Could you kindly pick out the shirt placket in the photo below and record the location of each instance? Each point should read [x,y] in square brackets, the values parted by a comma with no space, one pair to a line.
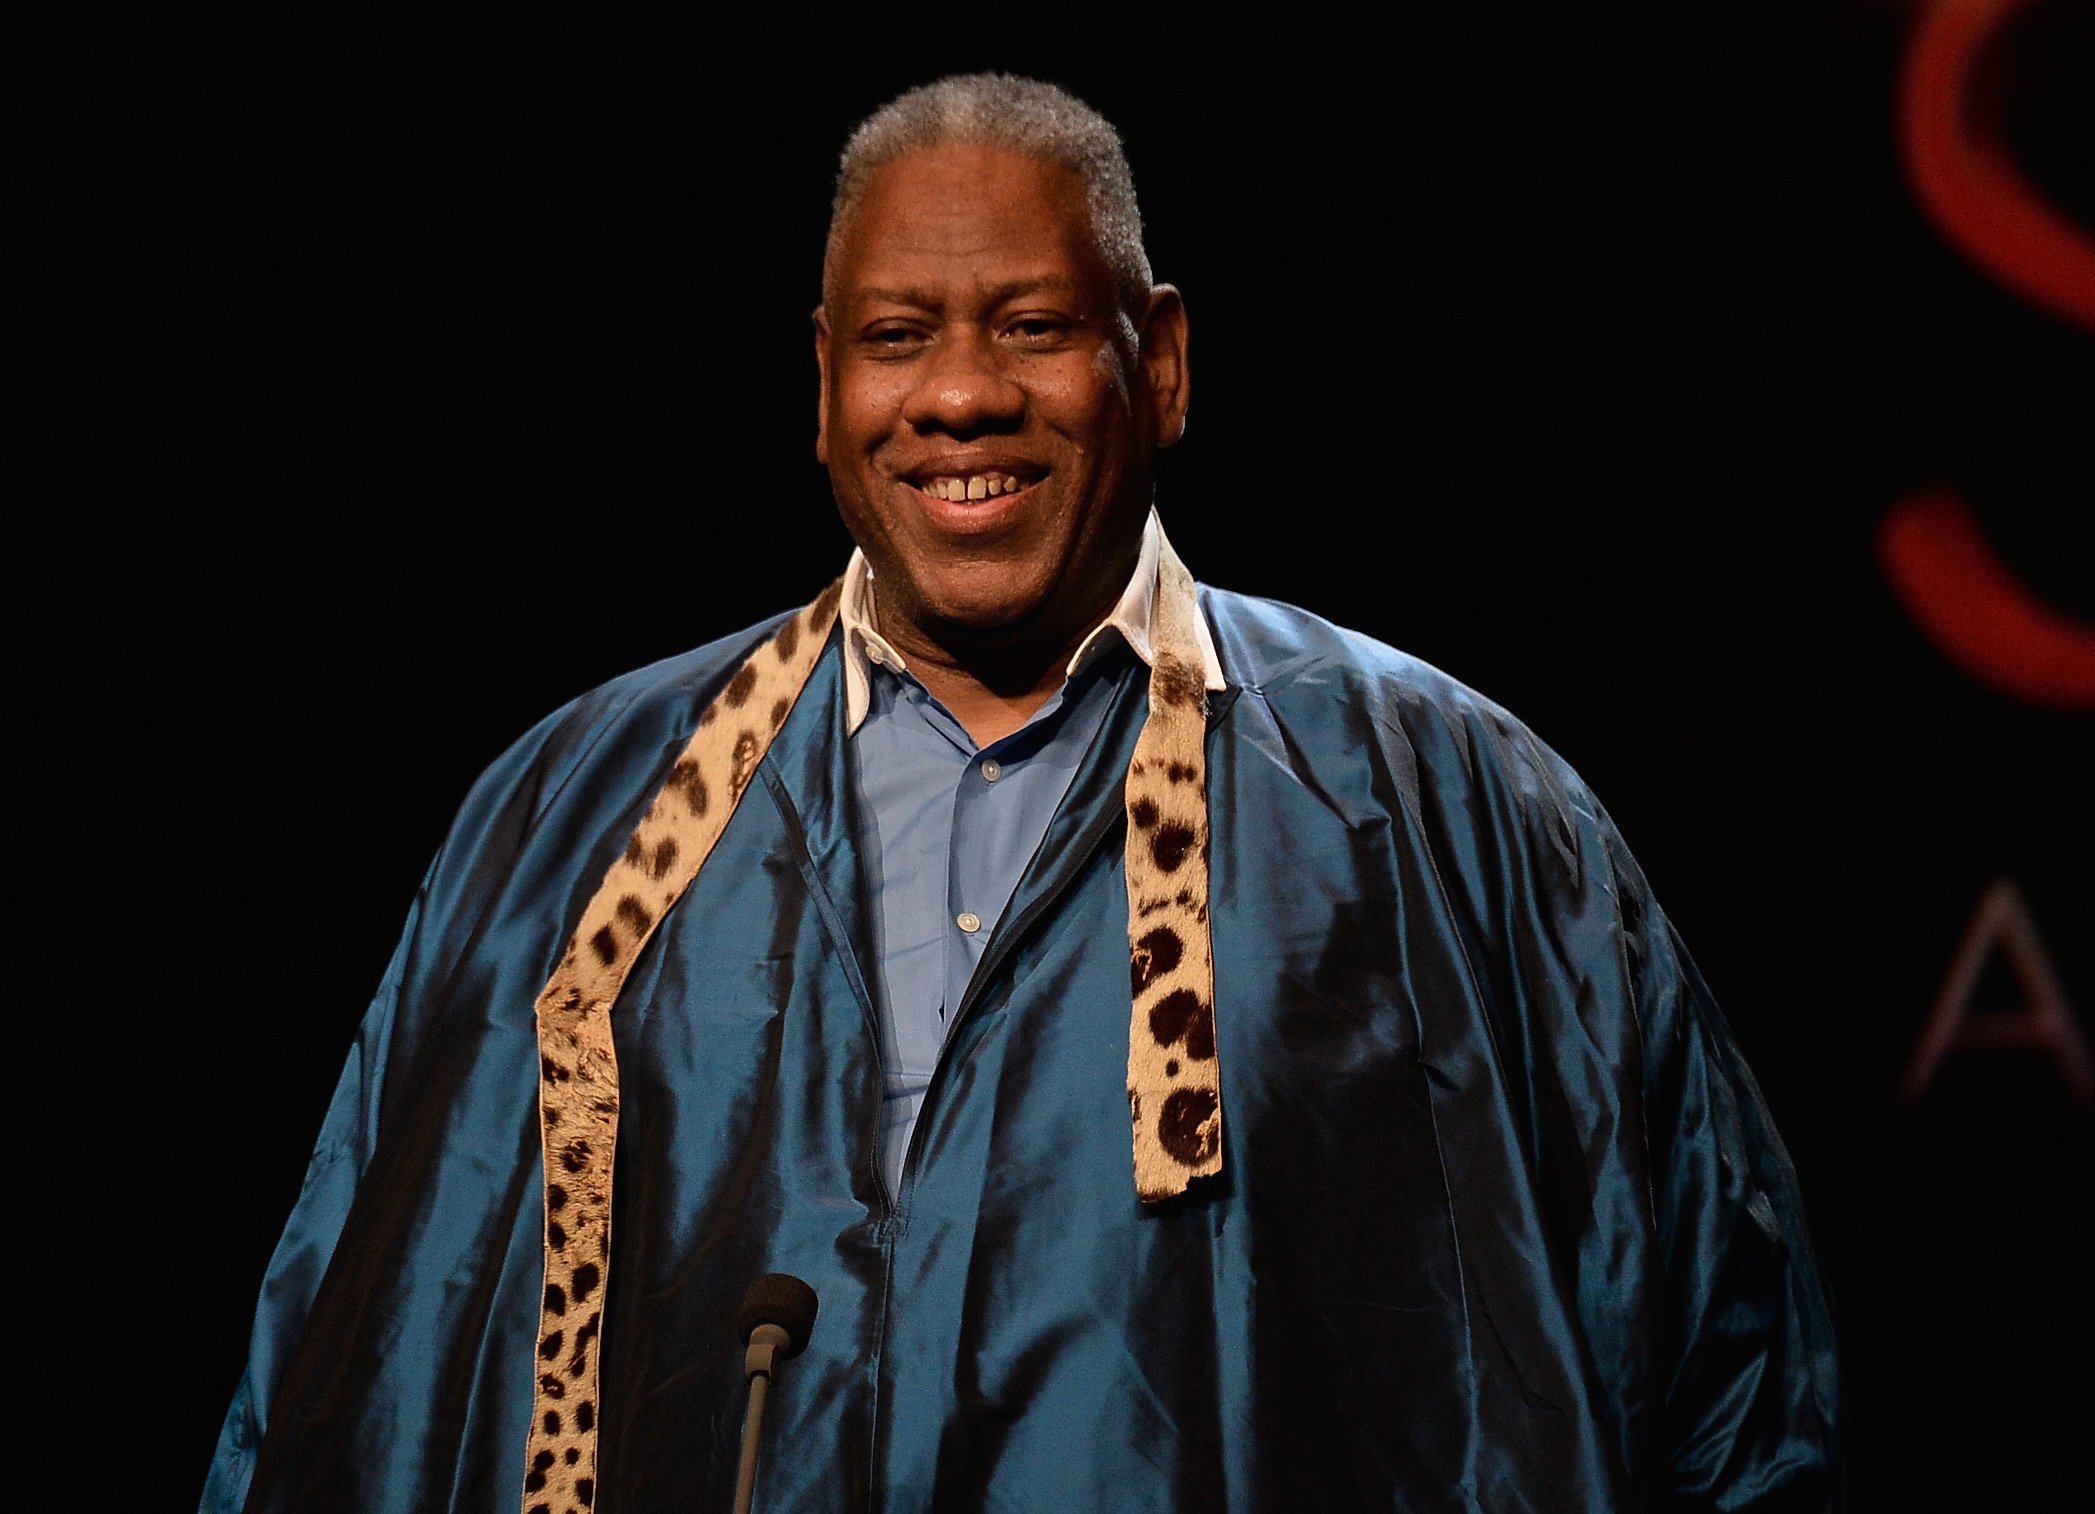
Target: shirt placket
[970,914]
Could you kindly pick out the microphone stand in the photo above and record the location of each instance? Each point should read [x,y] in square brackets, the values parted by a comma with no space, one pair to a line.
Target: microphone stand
[759,1362]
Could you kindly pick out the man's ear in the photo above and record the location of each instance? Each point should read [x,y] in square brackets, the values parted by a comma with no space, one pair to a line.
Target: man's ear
[822,390]
[1164,362]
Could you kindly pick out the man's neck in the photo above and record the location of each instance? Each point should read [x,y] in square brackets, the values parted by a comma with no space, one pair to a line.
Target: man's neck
[990,690]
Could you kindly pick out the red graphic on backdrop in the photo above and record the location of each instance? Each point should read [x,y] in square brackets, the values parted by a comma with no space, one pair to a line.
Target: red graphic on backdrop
[1950,581]
[1961,594]
[1962,173]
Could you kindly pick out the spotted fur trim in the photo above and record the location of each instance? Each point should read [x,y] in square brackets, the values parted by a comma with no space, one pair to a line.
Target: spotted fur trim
[1174,1078]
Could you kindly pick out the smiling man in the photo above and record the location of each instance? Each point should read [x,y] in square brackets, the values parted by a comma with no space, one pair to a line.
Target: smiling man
[1202,1059]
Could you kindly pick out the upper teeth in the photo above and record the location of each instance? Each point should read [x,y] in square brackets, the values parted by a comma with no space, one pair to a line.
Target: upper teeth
[974,486]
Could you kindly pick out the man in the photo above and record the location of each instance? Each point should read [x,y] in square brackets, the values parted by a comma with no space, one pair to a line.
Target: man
[1202,1059]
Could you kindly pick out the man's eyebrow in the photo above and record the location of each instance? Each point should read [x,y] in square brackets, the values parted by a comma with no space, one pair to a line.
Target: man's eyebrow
[1018,289]
[916,298]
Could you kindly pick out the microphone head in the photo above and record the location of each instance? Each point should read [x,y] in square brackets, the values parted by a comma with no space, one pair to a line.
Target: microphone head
[779,1298]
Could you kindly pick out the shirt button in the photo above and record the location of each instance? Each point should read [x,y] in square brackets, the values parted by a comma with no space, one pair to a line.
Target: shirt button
[992,770]
[968,921]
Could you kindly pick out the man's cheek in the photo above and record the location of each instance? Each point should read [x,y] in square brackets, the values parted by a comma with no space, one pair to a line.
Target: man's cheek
[871,409]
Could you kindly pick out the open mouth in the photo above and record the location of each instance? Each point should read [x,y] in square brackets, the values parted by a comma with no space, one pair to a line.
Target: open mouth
[990,483]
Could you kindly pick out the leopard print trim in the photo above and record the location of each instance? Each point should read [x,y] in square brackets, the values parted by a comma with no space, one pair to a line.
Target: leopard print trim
[578,1066]
[1174,1079]
[1173,1074]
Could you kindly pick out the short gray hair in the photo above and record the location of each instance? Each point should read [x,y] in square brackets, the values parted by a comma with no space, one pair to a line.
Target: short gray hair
[1025,116]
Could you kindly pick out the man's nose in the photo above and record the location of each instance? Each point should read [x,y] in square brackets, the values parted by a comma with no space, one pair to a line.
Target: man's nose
[965,385]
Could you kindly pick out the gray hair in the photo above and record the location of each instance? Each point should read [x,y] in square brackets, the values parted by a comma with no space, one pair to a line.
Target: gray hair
[1024,116]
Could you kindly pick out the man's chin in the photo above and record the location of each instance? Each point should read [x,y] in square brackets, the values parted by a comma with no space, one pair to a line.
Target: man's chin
[989,621]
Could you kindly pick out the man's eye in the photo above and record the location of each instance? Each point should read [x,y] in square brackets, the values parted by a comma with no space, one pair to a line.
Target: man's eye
[891,337]
[1038,328]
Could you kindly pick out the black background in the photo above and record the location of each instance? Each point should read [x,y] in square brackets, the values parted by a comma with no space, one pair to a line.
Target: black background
[435,377]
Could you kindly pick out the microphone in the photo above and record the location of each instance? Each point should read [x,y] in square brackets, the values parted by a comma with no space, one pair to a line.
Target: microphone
[778,1315]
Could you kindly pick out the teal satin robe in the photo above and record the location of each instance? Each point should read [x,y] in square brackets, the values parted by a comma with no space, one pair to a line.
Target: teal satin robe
[1503,1223]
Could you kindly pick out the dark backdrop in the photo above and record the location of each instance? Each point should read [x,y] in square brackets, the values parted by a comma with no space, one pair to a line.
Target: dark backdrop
[448,375]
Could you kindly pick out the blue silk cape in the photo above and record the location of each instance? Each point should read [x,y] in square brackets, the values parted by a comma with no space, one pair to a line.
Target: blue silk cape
[1503,1224]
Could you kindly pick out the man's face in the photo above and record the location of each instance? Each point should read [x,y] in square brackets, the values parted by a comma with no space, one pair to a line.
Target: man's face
[990,413]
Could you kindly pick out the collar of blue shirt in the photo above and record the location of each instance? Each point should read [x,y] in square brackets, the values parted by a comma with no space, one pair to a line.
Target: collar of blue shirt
[1133,618]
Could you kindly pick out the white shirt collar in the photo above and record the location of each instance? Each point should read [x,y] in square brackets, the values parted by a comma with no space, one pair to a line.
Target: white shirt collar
[1132,617]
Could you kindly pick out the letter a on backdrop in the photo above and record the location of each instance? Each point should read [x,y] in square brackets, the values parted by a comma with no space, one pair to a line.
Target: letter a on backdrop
[2044,1022]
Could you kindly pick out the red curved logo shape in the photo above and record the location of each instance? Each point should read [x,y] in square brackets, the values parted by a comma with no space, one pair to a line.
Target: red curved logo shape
[1975,611]
[1962,173]
[1950,580]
